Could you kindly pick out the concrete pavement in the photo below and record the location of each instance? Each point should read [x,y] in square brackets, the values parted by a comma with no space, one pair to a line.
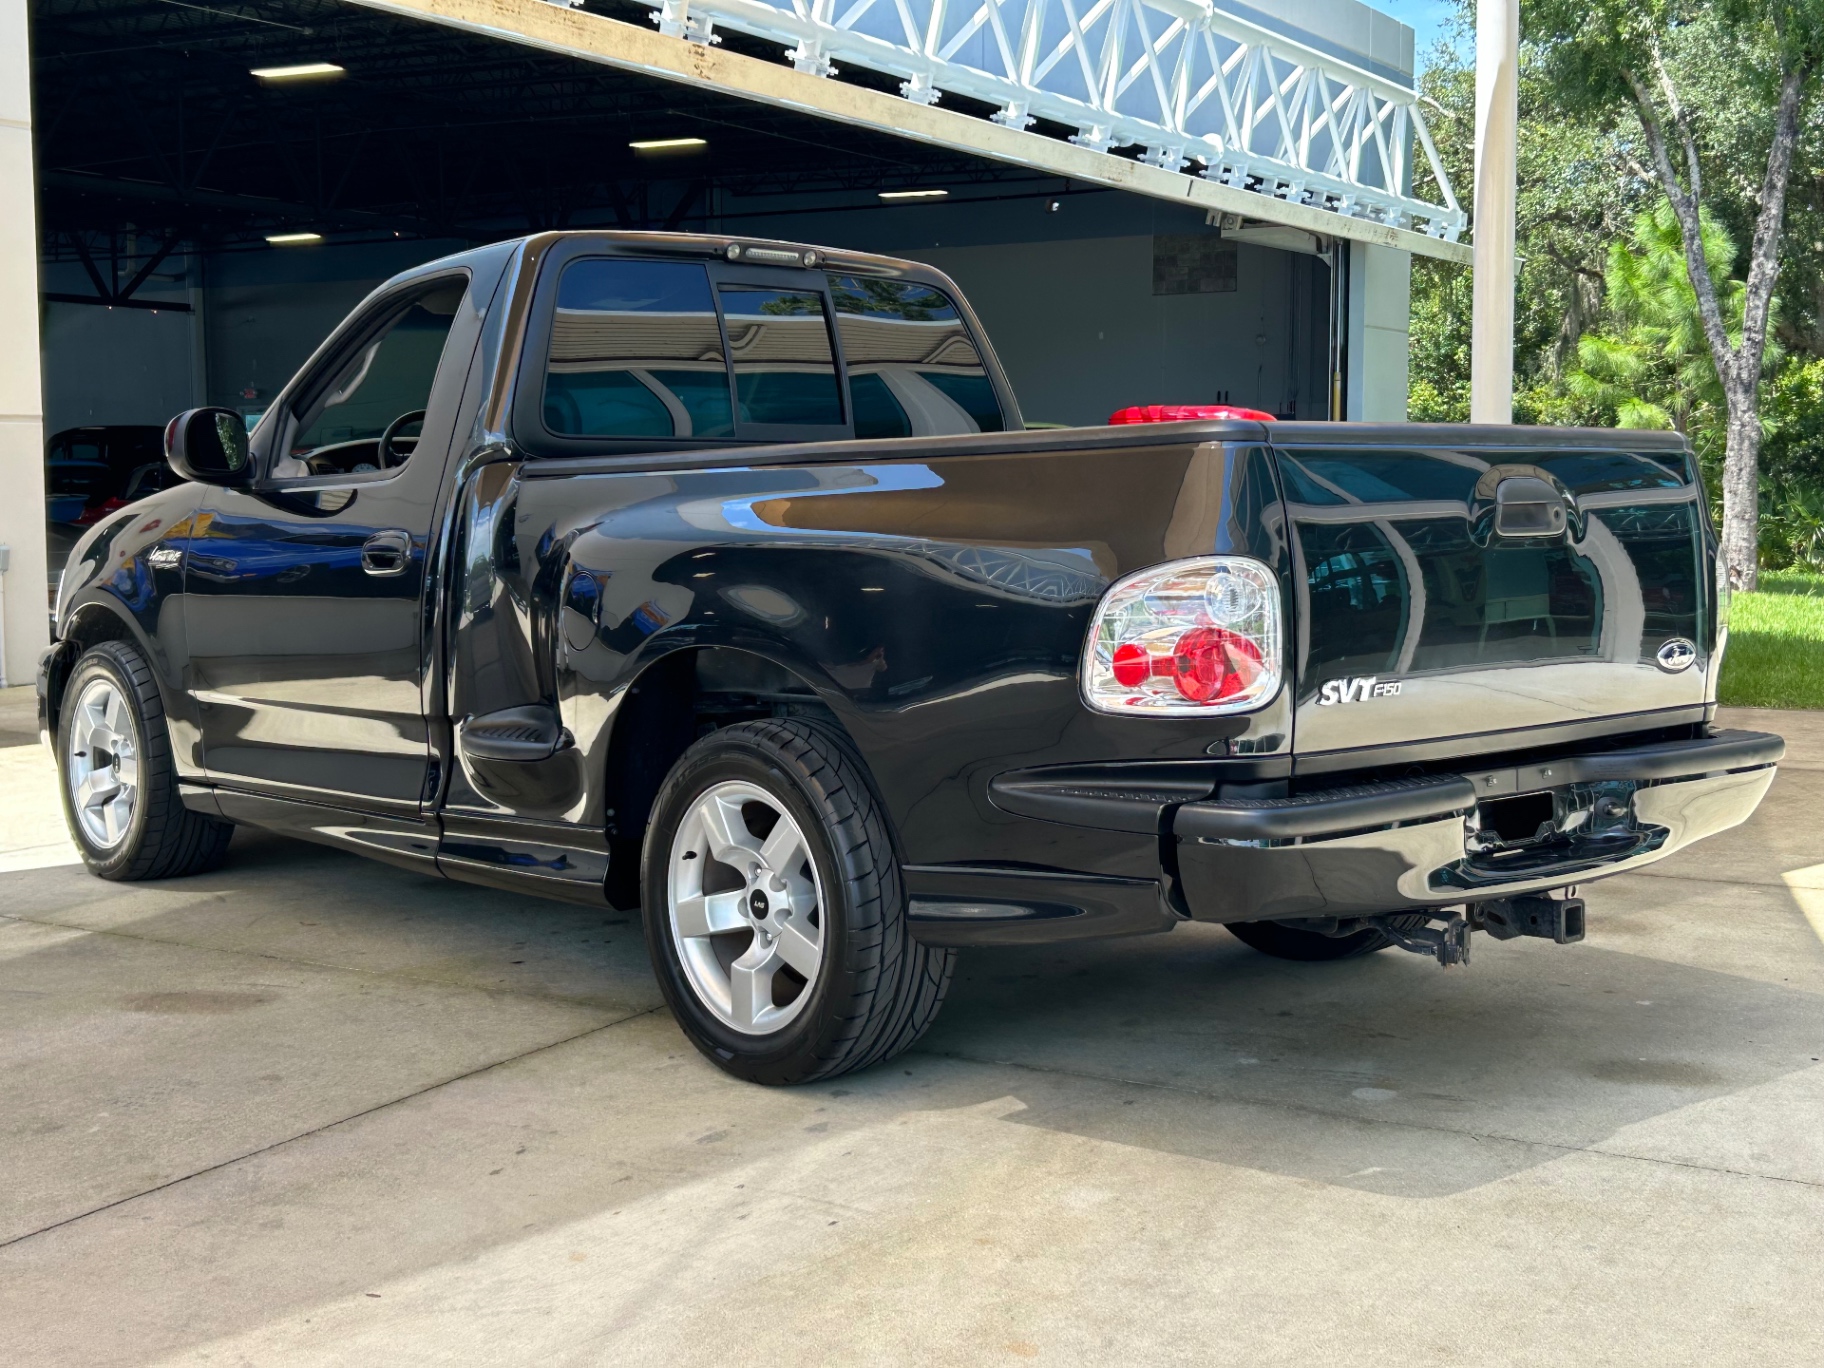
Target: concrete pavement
[311,1109]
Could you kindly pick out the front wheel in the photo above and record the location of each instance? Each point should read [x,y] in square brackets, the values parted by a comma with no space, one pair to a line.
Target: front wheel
[119,779]
[774,910]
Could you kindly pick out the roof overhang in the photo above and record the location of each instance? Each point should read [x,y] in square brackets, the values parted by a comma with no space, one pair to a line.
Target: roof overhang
[590,37]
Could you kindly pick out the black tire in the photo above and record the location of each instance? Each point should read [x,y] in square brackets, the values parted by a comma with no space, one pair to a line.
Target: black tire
[1309,947]
[876,989]
[163,839]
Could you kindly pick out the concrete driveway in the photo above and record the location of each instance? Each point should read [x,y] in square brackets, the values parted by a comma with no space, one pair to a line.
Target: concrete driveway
[311,1109]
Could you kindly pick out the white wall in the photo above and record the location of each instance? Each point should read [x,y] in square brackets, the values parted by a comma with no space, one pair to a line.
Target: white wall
[1380,312]
[21,411]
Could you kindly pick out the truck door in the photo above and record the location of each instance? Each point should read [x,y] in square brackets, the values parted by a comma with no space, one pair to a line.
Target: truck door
[305,592]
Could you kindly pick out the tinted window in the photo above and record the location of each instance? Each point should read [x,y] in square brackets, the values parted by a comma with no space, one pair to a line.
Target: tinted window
[132,449]
[877,412]
[384,385]
[913,369]
[785,371]
[636,352]
[87,478]
[149,479]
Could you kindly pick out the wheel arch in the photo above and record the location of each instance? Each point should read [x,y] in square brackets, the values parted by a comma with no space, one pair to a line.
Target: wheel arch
[93,619]
[682,695]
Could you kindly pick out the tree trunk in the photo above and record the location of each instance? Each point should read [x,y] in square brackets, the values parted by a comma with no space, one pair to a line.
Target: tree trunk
[1738,367]
[1742,482]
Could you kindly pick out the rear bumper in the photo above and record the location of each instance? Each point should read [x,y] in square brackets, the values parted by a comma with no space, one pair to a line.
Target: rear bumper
[1363,849]
[1418,844]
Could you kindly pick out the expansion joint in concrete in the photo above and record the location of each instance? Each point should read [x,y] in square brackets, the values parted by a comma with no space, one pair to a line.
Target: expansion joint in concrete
[325,1127]
[329,965]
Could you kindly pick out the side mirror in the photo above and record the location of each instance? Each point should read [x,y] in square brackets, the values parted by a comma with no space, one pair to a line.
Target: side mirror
[209,445]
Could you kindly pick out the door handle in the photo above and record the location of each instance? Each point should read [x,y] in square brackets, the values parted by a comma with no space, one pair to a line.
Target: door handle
[387,553]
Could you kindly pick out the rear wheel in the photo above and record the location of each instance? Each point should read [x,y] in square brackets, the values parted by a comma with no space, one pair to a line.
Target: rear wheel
[1294,943]
[119,780]
[774,911]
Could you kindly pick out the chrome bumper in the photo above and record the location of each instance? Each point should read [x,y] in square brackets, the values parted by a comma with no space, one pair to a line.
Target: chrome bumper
[1417,844]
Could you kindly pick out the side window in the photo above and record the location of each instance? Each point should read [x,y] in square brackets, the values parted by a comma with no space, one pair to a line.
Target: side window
[636,352]
[785,369]
[913,370]
[367,412]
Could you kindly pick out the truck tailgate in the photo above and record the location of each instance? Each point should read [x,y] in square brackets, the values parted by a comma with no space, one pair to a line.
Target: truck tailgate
[1421,616]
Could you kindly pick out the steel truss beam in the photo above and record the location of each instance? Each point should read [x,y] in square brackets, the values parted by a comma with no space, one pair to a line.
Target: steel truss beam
[1178,78]
[1344,132]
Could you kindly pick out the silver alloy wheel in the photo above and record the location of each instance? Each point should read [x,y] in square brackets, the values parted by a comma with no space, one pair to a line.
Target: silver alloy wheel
[746,908]
[101,762]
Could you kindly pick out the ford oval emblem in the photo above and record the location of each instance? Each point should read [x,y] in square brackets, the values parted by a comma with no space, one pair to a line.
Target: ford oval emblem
[1677,654]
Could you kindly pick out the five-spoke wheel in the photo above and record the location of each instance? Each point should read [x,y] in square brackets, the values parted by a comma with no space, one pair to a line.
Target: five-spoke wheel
[119,776]
[746,907]
[774,909]
[101,747]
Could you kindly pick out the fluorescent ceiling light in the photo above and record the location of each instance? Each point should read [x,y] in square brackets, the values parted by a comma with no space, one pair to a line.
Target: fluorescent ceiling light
[300,72]
[288,239]
[913,194]
[666,144]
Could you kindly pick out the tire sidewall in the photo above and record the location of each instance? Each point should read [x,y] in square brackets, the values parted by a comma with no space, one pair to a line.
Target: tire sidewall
[794,1050]
[105,862]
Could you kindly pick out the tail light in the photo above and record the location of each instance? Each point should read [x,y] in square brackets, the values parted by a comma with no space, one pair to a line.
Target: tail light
[1186,639]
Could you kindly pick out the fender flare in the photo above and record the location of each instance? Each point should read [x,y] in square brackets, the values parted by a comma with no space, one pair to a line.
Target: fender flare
[608,757]
[91,603]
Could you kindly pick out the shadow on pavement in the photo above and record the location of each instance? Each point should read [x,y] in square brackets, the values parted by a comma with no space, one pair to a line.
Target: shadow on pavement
[1387,1073]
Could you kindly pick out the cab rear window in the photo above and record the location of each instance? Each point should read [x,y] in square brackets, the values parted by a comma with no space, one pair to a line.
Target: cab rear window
[636,351]
[678,350]
[785,369]
[914,371]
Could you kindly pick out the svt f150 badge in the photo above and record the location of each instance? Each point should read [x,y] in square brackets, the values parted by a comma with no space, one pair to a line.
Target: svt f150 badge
[1356,690]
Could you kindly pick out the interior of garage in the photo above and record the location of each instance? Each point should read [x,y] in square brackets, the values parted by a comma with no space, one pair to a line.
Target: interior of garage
[207,212]
[166,166]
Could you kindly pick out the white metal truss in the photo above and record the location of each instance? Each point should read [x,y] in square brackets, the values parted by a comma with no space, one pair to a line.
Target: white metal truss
[1180,79]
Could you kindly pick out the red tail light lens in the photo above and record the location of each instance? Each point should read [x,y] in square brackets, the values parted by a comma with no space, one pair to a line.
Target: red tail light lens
[1181,413]
[1189,638]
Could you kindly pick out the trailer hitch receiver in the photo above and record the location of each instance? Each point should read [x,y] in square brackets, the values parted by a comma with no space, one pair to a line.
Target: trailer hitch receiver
[1553,919]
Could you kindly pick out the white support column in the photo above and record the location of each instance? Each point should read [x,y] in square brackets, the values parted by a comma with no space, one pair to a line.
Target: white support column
[1380,315]
[22,511]
[1491,354]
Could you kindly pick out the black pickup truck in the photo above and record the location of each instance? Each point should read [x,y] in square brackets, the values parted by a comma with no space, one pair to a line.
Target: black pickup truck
[720,578]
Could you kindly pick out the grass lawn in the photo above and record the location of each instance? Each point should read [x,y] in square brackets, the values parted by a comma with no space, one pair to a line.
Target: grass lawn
[1776,644]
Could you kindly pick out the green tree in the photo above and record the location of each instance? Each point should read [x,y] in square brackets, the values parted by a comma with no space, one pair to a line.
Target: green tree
[1578,193]
[1603,56]
[1652,368]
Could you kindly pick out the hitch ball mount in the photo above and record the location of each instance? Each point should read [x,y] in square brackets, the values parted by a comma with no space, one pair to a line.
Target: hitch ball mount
[1555,919]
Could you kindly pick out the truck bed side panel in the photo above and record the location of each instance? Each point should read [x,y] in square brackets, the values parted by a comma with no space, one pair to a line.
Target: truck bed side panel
[938,607]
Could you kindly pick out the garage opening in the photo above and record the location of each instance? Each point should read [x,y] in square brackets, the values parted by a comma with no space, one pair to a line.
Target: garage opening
[220,185]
